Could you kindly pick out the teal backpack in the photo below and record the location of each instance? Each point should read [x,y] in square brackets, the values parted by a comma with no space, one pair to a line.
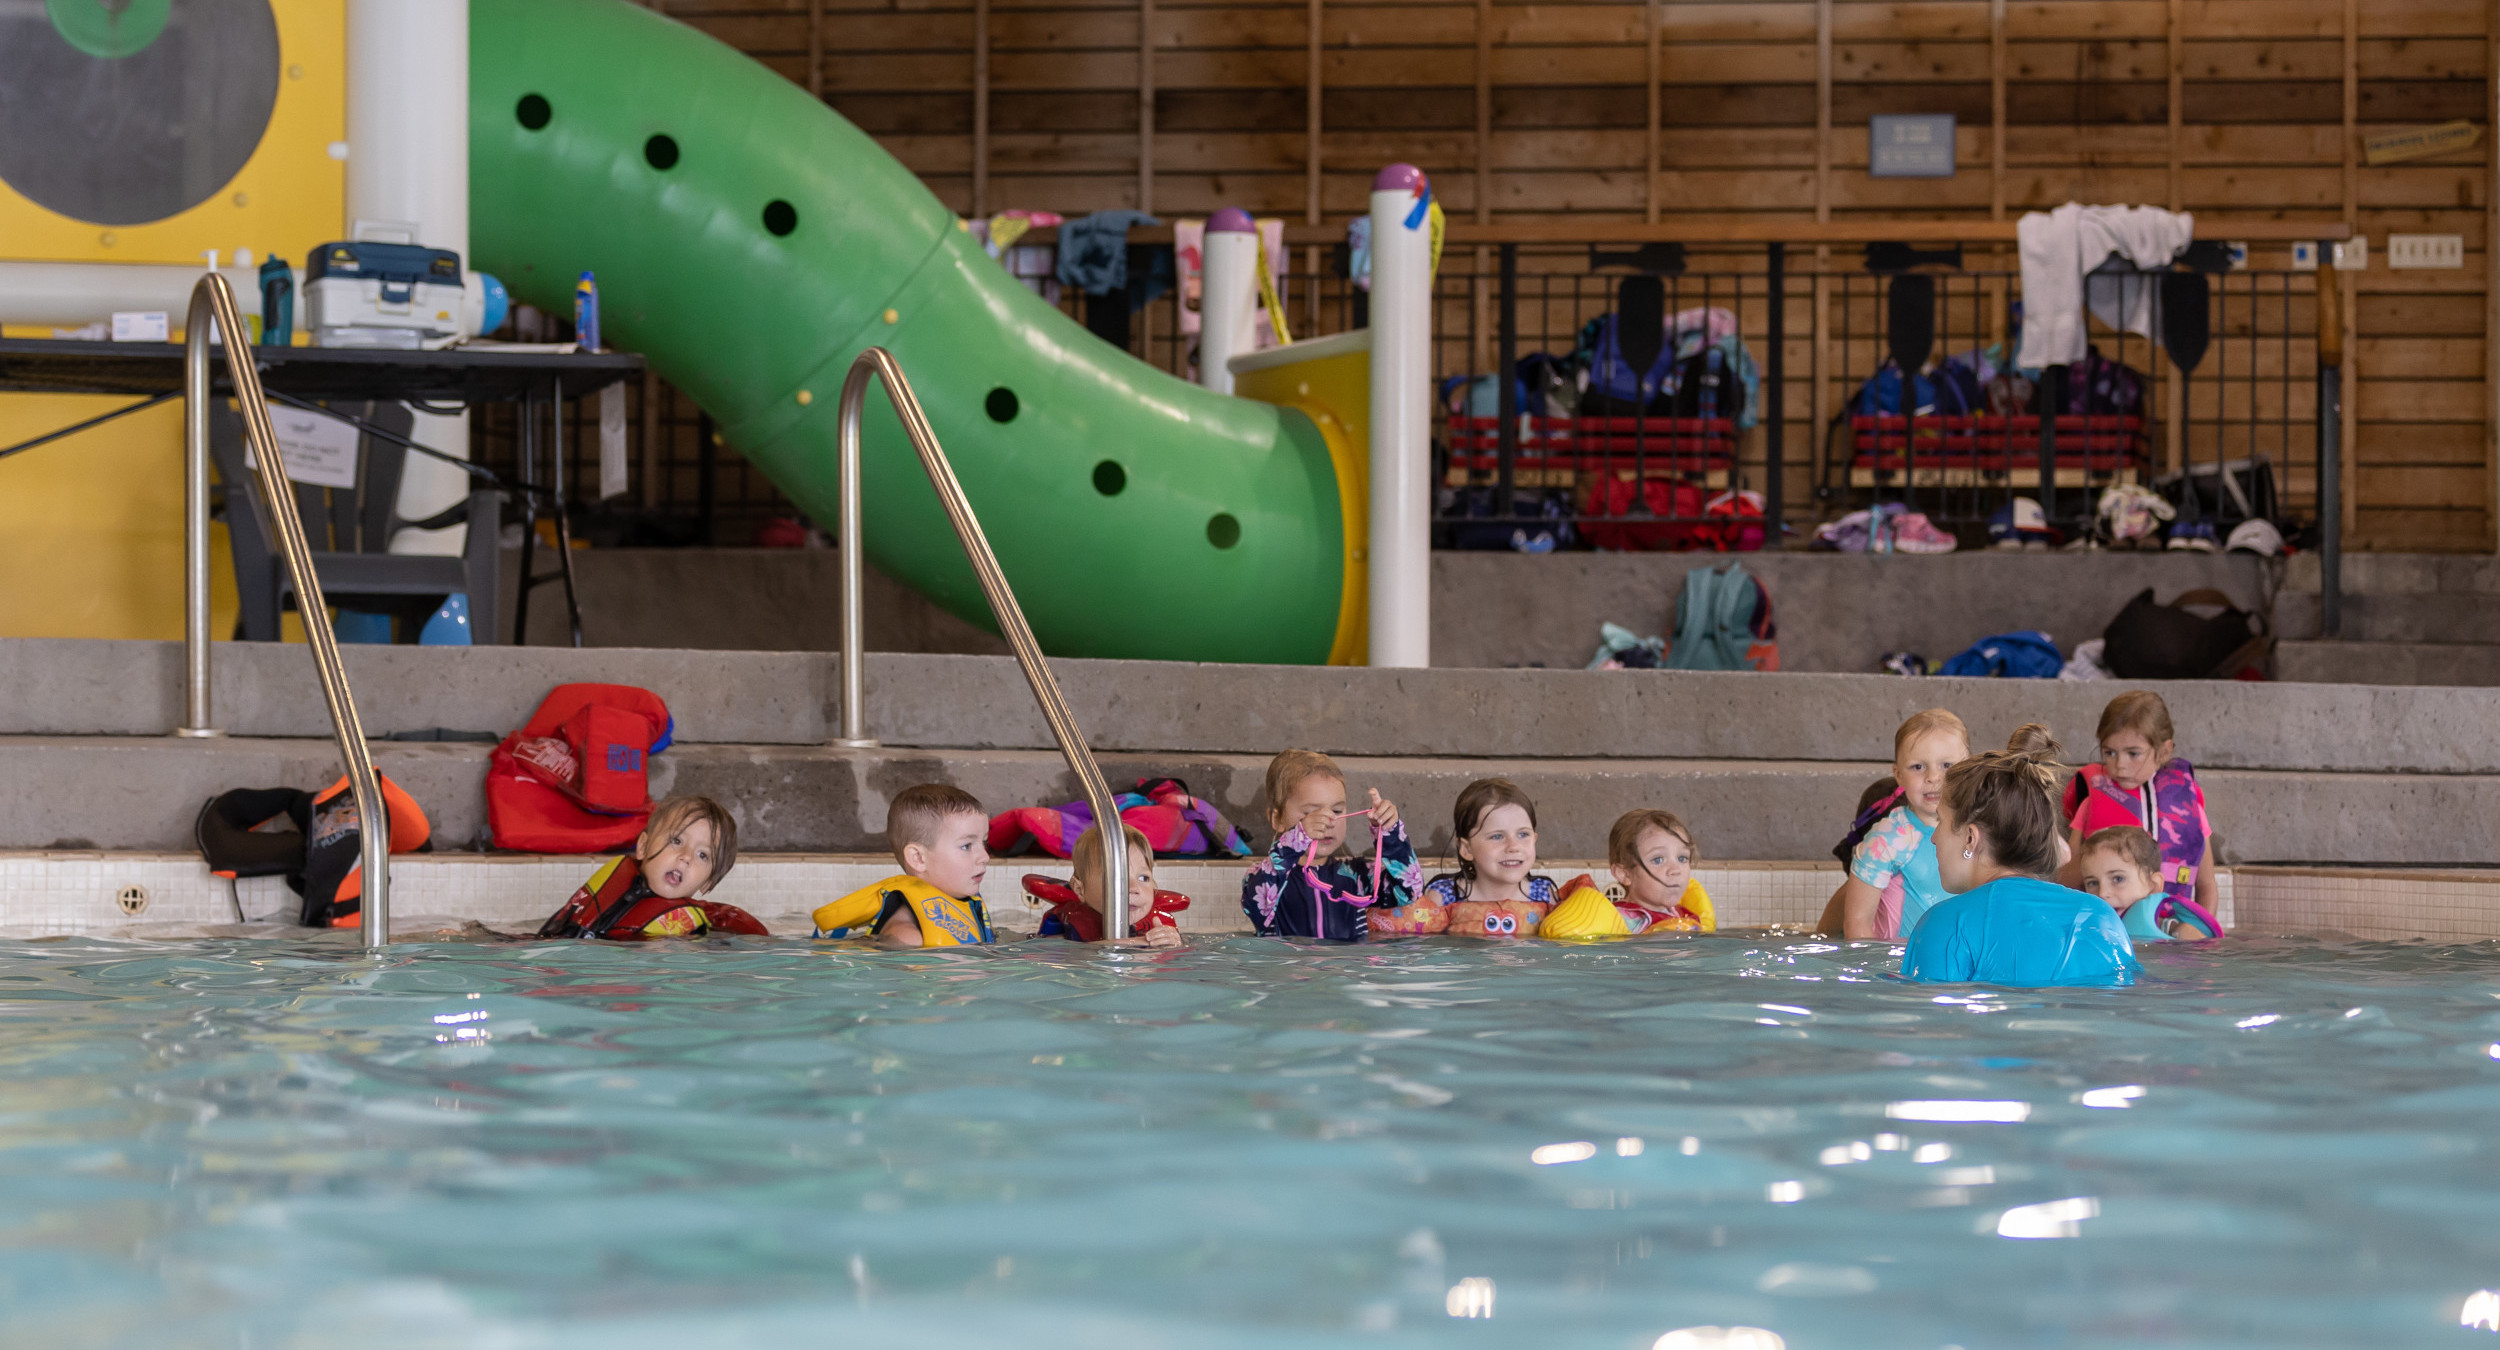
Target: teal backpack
[1722,622]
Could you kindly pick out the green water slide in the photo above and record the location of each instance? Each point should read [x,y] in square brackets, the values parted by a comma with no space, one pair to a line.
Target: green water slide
[749,241]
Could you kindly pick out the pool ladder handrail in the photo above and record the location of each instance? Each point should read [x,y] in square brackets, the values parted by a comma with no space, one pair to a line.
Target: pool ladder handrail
[877,362]
[213,299]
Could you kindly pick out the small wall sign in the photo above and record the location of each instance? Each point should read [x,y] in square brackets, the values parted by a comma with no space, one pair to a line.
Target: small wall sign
[1910,145]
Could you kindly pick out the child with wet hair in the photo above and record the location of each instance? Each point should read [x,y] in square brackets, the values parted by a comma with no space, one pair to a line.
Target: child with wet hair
[939,834]
[1494,892]
[1080,916]
[2006,922]
[1892,866]
[1304,888]
[658,889]
[2122,865]
[1651,855]
[2141,781]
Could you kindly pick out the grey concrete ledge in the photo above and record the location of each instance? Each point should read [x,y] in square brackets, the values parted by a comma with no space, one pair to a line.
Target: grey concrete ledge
[131,793]
[81,687]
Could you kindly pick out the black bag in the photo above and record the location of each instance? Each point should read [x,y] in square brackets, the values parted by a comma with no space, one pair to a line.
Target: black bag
[2148,641]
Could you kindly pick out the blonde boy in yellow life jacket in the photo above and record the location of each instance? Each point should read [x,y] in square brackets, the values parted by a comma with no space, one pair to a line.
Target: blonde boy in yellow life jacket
[940,835]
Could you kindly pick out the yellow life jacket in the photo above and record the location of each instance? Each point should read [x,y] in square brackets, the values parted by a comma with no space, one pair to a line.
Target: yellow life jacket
[944,920]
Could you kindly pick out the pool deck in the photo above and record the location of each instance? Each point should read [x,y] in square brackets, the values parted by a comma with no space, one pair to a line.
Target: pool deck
[46,894]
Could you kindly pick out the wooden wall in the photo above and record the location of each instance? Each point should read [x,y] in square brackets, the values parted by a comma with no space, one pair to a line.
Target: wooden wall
[1712,109]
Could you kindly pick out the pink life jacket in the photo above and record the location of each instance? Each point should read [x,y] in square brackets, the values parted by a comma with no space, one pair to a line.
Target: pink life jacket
[2094,803]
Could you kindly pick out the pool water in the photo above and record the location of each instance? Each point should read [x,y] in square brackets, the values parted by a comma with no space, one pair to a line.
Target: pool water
[258,1143]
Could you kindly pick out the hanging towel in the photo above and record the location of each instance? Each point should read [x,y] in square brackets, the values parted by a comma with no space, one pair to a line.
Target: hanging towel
[2060,247]
[1093,250]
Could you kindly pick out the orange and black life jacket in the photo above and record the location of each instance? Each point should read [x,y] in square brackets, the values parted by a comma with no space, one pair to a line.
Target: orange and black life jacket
[1072,918]
[617,904]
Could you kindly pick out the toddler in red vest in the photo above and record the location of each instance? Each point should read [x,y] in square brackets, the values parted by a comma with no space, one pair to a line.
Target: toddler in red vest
[1076,908]
[657,890]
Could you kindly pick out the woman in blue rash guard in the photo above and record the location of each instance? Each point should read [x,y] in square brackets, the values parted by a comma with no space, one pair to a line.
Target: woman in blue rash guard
[2007,923]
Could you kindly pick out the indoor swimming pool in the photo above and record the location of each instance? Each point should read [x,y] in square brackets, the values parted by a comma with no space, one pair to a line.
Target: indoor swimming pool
[259,1143]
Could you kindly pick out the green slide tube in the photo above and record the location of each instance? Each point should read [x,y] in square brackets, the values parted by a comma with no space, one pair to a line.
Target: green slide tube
[750,241]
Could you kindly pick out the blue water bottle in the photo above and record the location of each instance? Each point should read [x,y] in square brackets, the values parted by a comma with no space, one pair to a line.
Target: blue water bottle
[586,313]
[277,303]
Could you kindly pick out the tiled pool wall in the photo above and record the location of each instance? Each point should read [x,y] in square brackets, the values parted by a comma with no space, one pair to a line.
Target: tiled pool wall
[57,893]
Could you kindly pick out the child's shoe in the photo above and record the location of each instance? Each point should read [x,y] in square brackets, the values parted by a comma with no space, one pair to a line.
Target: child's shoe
[1915,533]
[2193,536]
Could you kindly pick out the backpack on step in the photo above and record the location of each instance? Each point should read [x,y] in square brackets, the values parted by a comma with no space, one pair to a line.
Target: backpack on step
[1723,622]
[2170,642]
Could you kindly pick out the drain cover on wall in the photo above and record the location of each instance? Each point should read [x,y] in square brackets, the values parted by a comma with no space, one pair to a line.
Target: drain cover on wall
[132,899]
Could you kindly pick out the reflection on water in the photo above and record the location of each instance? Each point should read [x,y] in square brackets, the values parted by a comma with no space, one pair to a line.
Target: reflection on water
[1685,1143]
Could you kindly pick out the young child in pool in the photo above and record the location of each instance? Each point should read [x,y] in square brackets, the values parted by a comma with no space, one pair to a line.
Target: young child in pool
[1898,853]
[939,833]
[657,890]
[1076,909]
[1303,888]
[2141,781]
[1650,853]
[2122,865]
[1494,892]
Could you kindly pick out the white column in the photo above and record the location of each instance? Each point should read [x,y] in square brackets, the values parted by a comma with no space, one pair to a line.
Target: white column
[408,163]
[1401,469]
[1228,301]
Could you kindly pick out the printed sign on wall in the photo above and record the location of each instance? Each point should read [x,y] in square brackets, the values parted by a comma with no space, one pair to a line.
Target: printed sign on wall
[1910,145]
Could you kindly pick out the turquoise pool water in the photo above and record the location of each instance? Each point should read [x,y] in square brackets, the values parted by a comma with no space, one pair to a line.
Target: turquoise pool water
[257,1143]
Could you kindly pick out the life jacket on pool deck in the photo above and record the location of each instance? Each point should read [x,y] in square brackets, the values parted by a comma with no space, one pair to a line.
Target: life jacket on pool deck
[2178,826]
[322,858]
[574,778]
[1072,918]
[944,920]
[617,904]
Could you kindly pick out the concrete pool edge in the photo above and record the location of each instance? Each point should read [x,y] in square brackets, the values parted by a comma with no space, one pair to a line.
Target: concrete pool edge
[62,893]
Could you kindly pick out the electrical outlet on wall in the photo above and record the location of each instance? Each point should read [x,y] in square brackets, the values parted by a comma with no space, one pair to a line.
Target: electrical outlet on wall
[2353,255]
[2426,250]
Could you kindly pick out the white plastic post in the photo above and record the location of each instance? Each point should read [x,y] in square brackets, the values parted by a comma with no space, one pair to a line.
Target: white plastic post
[408,160]
[1401,419]
[1228,303]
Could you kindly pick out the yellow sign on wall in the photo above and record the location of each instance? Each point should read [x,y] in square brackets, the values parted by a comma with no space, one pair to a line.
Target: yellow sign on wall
[91,526]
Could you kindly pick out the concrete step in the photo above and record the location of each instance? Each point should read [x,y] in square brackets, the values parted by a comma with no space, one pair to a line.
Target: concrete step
[2428,617]
[48,894]
[2399,574]
[1159,709]
[144,793]
[1492,610]
[2468,664]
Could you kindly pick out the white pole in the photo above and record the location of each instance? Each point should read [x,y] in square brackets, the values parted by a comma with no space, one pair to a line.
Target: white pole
[72,295]
[408,163]
[1228,304]
[1401,421]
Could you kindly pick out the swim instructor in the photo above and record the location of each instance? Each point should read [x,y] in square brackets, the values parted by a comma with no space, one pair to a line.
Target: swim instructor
[2006,922]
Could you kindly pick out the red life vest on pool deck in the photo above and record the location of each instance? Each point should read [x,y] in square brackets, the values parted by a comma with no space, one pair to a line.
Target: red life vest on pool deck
[1084,924]
[615,904]
[574,779]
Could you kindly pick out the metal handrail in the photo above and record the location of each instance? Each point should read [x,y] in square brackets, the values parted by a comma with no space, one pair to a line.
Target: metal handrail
[213,299]
[878,362]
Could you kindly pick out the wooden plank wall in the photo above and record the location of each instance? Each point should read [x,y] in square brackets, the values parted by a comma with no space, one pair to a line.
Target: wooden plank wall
[2227,108]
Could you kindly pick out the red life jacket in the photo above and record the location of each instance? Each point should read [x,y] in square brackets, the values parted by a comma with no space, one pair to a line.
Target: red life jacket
[574,779]
[1084,924]
[615,904]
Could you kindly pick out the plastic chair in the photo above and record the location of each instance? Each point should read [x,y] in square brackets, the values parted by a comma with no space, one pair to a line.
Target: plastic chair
[350,531]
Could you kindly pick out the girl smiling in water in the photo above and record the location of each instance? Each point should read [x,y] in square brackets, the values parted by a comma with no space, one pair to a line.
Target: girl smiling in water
[1898,854]
[2141,781]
